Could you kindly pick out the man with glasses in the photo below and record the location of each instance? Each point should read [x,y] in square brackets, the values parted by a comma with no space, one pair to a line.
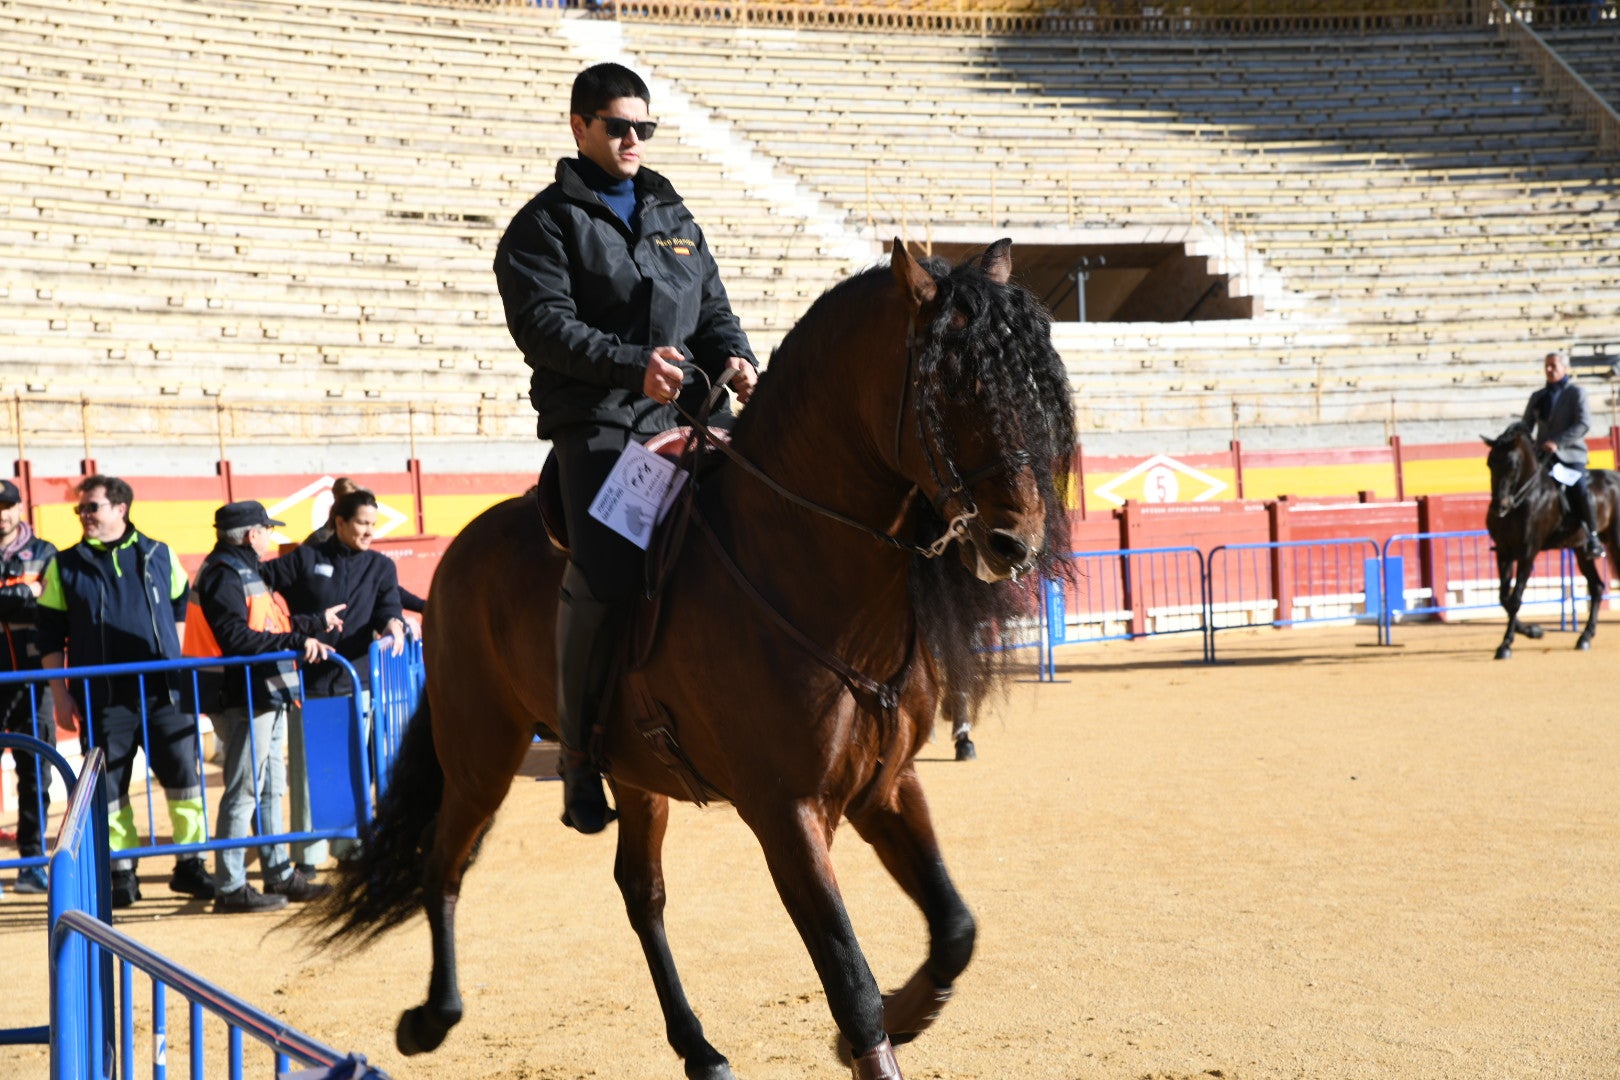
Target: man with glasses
[608,286]
[23,559]
[118,597]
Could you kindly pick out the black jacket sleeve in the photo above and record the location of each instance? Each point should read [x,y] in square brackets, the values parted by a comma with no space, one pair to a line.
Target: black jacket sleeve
[50,630]
[719,335]
[224,605]
[410,601]
[537,283]
[387,594]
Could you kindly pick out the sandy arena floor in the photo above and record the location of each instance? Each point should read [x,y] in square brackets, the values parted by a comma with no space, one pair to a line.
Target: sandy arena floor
[1318,859]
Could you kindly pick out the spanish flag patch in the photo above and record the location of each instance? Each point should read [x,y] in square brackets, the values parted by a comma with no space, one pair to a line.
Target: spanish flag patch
[681,250]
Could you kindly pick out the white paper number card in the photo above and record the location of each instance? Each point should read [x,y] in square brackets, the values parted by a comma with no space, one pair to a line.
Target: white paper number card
[637,494]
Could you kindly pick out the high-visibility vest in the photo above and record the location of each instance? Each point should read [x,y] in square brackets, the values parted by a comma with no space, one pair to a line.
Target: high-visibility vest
[263,614]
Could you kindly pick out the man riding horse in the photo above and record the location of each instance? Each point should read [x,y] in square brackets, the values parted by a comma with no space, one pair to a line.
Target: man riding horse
[1559,419]
[608,286]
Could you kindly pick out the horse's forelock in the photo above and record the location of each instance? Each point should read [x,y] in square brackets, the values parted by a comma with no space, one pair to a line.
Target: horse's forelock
[1022,398]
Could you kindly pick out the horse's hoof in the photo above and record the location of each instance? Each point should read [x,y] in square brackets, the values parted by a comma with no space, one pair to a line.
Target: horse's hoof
[1582,645]
[715,1070]
[965,750]
[418,1032]
[1503,652]
[1533,632]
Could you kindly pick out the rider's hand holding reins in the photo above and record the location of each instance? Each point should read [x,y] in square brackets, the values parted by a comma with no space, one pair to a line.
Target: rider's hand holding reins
[663,379]
[743,378]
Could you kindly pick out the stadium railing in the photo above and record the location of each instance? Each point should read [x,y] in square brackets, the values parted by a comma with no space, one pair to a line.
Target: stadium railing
[340,775]
[1292,583]
[1460,572]
[397,682]
[1127,594]
[83,948]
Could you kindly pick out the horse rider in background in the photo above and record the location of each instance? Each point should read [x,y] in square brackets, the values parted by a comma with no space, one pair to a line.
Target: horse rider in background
[1558,418]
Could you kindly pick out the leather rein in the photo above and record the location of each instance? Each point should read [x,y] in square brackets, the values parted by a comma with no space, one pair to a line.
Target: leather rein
[883,697]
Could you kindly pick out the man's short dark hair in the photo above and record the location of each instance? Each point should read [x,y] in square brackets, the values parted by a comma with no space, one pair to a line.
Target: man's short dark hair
[117,491]
[346,506]
[601,83]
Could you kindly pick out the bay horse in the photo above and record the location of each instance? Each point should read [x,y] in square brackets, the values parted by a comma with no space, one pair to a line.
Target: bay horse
[1526,517]
[809,629]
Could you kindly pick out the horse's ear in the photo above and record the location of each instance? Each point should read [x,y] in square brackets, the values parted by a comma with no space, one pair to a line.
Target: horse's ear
[1487,440]
[996,262]
[915,283]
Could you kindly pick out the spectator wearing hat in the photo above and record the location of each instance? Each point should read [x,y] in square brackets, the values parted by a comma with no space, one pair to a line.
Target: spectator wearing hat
[232,613]
[23,559]
[118,597]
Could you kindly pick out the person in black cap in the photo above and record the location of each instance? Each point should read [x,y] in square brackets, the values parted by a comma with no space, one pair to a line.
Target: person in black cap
[232,613]
[23,558]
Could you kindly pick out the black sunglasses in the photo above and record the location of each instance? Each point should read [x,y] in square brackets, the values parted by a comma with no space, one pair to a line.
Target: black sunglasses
[91,507]
[617,127]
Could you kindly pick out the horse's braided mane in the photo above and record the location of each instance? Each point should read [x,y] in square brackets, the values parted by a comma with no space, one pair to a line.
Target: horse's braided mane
[1003,357]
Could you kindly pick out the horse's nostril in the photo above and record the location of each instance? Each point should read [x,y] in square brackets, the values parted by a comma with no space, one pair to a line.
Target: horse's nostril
[1008,547]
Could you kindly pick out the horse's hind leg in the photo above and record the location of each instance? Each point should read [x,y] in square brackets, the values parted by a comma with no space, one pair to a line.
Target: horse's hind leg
[638,868]
[903,837]
[455,832]
[1592,570]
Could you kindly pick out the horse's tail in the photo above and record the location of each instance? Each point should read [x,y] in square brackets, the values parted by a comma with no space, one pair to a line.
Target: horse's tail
[382,887]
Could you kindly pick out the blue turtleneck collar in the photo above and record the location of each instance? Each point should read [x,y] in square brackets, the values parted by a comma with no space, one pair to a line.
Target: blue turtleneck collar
[620,195]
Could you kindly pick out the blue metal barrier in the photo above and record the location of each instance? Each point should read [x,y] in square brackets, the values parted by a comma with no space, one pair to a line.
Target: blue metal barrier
[1292,583]
[351,748]
[396,688]
[1462,575]
[86,1011]
[1126,594]
[44,754]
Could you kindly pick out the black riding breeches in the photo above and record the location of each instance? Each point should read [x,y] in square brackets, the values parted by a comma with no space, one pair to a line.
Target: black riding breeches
[614,568]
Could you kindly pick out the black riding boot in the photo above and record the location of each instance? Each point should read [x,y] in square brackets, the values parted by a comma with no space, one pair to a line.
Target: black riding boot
[587,630]
[1581,503]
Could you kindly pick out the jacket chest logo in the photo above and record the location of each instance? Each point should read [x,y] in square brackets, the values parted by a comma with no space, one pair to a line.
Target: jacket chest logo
[677,245]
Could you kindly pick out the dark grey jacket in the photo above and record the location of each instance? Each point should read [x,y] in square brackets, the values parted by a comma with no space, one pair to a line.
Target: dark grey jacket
[587,298]
[1565,422]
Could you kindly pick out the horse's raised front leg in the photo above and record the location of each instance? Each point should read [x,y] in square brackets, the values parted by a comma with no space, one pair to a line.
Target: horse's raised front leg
[1592,570]
[638,868]
[903,837]
[796,840]
[455,832]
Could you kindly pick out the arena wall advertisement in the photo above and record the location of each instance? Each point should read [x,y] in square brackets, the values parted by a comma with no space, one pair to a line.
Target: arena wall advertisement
[1218,498]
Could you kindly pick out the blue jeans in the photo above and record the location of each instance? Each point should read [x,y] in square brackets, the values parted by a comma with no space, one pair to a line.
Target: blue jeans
[255,780]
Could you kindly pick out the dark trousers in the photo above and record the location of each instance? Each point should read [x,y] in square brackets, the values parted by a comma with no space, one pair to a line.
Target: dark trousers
[19,705]
[172,753]
[614,568]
